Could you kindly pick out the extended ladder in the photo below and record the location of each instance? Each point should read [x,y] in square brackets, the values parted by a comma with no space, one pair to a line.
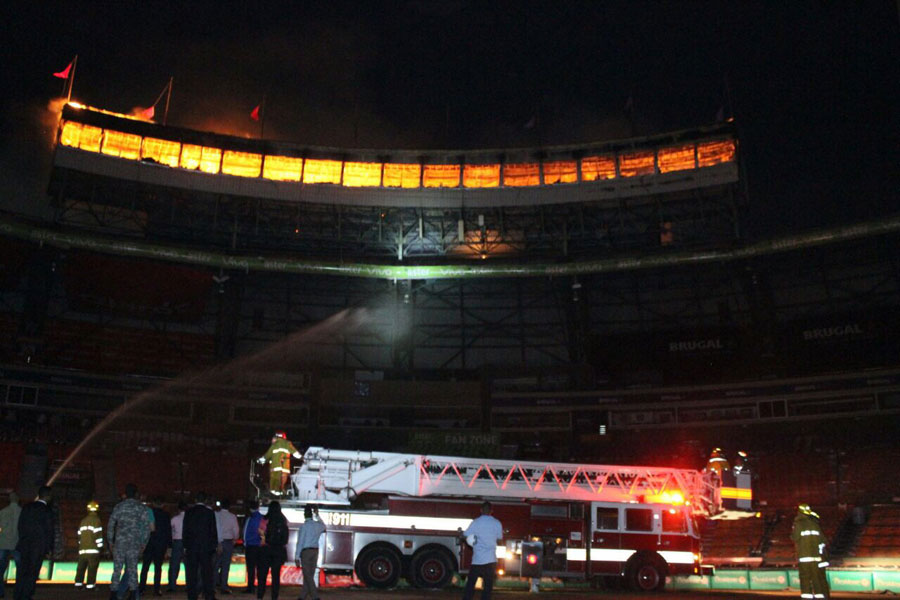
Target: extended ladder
[338,476]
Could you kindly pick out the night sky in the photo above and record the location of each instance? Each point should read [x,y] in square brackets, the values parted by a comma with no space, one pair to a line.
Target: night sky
[812,86]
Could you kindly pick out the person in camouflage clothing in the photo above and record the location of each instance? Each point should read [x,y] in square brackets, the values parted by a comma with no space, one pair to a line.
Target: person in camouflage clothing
[128,531]
[810,543]
[279,458]
[90,543]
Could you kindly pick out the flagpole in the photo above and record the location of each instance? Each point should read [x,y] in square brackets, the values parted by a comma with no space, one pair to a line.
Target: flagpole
[71,79]
[168,97]
[262,118]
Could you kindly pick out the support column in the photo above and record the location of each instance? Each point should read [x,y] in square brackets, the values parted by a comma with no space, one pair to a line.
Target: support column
[228,292]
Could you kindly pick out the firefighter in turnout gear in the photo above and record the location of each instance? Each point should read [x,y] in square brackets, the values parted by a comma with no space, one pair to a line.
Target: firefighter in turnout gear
[717,462]
[279,458]
[810,544]
[90,544]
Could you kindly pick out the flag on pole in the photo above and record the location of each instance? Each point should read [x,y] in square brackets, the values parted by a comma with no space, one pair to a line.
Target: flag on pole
[255,113]
[64,74]
[148,113]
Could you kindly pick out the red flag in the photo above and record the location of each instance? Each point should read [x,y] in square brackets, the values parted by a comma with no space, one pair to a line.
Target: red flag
[64,74]
[255,114]
[148,113]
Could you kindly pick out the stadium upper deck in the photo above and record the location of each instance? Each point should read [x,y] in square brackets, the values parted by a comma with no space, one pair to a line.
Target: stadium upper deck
[108,144]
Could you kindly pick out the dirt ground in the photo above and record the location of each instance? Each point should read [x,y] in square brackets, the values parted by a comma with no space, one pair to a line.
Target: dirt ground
[67,592]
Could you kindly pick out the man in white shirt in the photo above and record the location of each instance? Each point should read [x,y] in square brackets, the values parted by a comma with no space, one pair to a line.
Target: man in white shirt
[228,532]
[483,534]
[177,556]
[306,553]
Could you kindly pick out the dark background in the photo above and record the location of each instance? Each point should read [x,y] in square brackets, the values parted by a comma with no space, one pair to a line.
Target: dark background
[812,86]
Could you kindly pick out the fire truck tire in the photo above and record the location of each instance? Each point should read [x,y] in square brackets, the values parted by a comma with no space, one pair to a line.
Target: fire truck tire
[378,567]
[646,573]
[431,569]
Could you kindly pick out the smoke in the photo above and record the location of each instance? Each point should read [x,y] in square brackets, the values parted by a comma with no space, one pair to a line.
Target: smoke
[26,156]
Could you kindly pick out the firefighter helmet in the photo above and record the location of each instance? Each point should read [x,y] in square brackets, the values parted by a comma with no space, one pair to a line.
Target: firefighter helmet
[93,506]
[280,434]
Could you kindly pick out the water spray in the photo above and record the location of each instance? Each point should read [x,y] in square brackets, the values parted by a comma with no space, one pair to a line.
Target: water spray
[289,350]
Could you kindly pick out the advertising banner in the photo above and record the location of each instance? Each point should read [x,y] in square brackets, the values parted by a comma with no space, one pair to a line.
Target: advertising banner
[769,580]
[850,581]
[730,580]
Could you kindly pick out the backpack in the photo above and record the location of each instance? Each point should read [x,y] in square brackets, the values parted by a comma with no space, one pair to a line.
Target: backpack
[277,532]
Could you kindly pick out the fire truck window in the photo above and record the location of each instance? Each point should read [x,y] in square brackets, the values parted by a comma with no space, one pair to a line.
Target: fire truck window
[576,511]
[607,518]
[638,519]
[554,511]
[674,521]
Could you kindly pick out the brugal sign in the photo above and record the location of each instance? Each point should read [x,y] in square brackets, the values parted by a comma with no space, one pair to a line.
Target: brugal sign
[701,344]
[834,331]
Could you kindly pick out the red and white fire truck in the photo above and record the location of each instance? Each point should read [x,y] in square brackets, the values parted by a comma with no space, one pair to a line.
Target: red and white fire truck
[391,515]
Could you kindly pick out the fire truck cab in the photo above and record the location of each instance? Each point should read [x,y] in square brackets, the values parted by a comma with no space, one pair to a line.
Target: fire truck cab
[394,515]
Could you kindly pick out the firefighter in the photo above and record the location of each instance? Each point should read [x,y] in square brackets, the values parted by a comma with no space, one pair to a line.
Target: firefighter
[279,458]
[740,463]
[90,544]
[743,481]
[717,462]
[810,544]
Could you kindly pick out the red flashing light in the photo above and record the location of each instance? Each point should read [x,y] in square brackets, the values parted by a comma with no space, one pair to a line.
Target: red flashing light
[532,559]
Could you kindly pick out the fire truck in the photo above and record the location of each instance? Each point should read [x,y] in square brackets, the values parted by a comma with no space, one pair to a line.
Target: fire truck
[392,515]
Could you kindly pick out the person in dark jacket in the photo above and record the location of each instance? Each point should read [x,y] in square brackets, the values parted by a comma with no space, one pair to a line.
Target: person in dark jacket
[155,550]
[35,542]
[273,552]
[252,541]
[200,543]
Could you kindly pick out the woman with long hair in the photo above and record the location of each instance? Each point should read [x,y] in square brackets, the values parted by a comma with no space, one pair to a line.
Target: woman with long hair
[273,531]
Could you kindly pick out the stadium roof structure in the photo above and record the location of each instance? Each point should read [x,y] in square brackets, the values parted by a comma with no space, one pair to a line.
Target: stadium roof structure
[133,187]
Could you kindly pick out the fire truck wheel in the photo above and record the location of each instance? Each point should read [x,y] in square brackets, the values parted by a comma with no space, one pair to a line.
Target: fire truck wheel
[378,567]
[431,569]
[646,574]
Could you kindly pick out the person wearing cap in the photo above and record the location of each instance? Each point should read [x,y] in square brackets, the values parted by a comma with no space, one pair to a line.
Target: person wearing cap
[157,544]
[90,544]
[810,543]
[278,456]
[128,530]
[9,536]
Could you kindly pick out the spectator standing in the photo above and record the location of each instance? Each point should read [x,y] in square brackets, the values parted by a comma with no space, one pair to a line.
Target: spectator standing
[35,542]
[129,529]
[200,542]
[252,541]
[306,553]
[483,534]
[9,536]
[175,560]
[227,531]
[90,543]
[159,542]
[273,552]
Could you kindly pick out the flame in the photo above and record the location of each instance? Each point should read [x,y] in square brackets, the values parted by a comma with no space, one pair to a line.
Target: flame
[80,106]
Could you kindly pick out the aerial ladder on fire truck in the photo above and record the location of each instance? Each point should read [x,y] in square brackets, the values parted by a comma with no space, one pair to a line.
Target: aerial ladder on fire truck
[337,477]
